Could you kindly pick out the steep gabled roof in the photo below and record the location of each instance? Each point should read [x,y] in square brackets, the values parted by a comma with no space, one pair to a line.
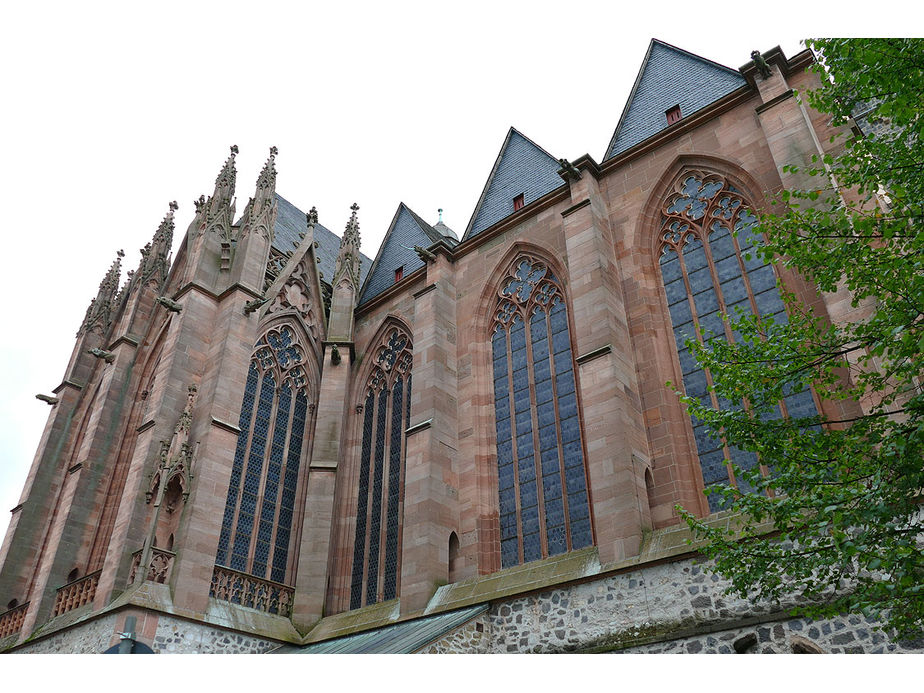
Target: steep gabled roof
[521,167]
[291,223]
[397,250]
[669,76]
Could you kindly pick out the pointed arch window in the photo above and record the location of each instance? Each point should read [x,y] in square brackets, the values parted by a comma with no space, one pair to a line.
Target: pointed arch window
[258,524]
[706,274]
[386,412]
[542,481]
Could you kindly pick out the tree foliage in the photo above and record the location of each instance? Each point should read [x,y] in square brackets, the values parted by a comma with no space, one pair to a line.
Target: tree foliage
[843,494]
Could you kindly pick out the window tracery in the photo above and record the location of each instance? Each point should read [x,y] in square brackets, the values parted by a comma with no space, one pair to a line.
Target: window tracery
[386,414]
[259,513]
[542,484]
[705,234]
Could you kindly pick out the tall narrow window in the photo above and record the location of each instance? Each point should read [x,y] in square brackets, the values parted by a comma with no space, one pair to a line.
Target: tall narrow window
[705,275]
[256,530]
[385,411]
[542,484]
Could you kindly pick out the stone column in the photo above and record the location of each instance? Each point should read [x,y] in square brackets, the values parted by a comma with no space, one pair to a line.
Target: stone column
[430,490]
[613,423]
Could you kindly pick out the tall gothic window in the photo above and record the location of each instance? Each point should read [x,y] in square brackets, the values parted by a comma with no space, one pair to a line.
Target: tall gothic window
[256,532]
[707,271]
[386,412]
[542,483]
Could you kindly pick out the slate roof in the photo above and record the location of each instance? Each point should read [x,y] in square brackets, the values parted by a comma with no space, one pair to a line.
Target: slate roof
[669,76]
[521,167]
[406,230]
[399,638]
[290,222]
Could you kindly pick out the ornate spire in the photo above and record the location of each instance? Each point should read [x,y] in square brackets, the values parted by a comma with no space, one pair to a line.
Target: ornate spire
[261,209]
[348,257]
[218,211]
[154,265]
[100,309]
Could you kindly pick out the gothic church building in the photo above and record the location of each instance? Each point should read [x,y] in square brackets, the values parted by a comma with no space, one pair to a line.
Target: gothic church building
[466,444]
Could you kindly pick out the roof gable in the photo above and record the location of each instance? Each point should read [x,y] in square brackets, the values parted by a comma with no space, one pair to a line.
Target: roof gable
[287,235]
[522,167]
[669,76]
[397,250]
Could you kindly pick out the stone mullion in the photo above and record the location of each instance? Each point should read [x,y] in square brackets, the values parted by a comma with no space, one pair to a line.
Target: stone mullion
[383,509]
[699,335]
[405,424]
[561,447]
[367,530]
[245,459]
[534,417]
[513,446]
[264,473]
[280,489]
[298,506]
[720,300]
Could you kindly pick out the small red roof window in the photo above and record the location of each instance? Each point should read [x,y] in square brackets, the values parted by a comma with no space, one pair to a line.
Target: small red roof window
[518,202]
[673,115]
[399,273]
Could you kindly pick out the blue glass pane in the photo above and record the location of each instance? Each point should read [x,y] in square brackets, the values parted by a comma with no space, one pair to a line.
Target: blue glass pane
[250,391]
[375,515]
[680,314]
[359,544]
[769,302]
[721,245]
[271,489]
[287,502]
[694,256]
[706,301]
[733,292]
[394,490]
[762,279]
[670,266]
[801,405]
[248,507]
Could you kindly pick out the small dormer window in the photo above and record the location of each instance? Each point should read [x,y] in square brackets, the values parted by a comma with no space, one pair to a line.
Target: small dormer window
[399,274]
[673,114]
[518,202]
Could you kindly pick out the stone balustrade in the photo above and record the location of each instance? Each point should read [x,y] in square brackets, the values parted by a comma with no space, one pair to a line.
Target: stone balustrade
[251,591]
[11,620]
[75,594]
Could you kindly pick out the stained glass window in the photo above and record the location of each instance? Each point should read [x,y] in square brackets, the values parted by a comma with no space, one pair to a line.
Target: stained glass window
[542,483]
[257,525]
[707,271]
[385,414]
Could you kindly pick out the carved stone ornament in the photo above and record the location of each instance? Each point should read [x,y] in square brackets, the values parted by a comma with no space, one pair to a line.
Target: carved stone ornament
[260,213]
[99,313]
[176,455]
[394,357]
[700,204]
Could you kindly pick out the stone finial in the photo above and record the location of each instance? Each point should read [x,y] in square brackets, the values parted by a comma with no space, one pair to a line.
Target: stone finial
[154,264]
[347,264]
[312,216]
[100,309]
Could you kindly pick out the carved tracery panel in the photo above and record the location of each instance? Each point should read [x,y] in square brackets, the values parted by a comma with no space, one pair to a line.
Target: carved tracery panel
[705,234]
[542,482]
[257,527]
[386,412]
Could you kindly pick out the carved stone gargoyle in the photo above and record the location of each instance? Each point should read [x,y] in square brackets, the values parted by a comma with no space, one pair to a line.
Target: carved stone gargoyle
[169,304]
[106,356]
[569,170]
[48,399]
[253,305]
[762,67]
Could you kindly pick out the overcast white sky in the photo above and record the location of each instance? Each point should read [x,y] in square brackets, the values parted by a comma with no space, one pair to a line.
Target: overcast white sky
[111,110]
